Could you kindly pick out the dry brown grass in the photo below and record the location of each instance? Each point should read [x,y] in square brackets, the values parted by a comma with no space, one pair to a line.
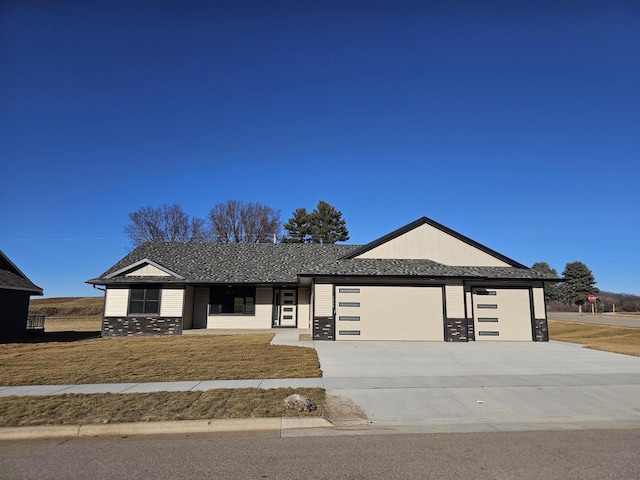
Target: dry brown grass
[152,359]
[67,306]
[599,337]
[75,324]
[74,409]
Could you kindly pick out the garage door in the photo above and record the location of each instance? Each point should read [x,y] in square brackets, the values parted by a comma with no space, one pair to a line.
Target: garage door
[502,314]
[389,313]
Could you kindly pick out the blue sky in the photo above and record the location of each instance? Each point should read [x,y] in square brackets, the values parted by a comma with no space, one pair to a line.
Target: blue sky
[514,123]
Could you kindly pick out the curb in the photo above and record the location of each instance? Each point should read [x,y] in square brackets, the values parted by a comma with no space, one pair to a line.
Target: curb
[160,428]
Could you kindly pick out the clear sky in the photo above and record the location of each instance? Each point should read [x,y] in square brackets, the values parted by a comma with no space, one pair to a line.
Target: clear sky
[514,123]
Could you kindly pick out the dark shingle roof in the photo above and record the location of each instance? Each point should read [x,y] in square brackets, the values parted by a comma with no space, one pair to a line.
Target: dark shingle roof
[422,268]
[283,263]
[11,278]
[231,262]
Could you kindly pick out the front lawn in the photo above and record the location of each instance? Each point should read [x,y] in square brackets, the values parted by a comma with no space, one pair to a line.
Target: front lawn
[599,337]
[153,359]
[75,409]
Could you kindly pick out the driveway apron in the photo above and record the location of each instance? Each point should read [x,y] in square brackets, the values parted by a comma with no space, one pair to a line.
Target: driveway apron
[439,386]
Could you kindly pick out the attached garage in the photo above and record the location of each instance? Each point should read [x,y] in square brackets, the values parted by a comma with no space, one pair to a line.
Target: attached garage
[389,313]
[502,314]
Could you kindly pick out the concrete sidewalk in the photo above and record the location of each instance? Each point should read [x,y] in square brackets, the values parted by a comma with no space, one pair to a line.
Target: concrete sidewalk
[39,390]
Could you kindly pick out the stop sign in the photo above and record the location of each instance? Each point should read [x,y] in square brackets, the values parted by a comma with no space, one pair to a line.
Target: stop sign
[592,298]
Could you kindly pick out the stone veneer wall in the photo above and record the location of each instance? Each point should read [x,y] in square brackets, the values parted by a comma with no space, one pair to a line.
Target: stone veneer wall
[541,330]
[141,326]
[457,330]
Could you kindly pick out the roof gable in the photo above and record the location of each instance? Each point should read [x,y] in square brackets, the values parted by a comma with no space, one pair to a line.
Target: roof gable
[144,268]
[11,278]
[425,239]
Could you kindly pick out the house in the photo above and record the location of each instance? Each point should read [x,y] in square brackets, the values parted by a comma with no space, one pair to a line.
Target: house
[15,291]
[421,282]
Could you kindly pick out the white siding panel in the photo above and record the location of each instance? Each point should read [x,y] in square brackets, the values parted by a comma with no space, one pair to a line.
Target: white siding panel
[147,271]
[323,300]
[116,302]
[304,308]
[538,303]
[171,302]
[427,242]
[455,301]
[261,319]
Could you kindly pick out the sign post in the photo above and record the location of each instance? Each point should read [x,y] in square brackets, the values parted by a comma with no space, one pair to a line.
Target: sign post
[592,300]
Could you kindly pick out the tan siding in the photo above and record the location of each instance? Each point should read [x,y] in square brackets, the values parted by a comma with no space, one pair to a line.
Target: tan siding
[261,319]
[201,300]
[304,308]
[171,302]
[116,302]
[147,271]
[455,301]
[427,242]
[538,303]
[187,320]
[469,302]
[323,300]
[391,313]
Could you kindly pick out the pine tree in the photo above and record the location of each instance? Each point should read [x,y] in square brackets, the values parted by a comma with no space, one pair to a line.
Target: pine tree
[579,284]
[298,227]
[327,225]
[324,225]
[551,290]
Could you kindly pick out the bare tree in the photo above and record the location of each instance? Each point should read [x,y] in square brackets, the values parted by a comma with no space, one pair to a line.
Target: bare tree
[167,223]
[237,222]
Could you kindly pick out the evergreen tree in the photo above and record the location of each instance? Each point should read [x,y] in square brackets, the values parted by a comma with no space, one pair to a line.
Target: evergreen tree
[579,284]
[327,225]
[551,290]
[298,227]
[324,225]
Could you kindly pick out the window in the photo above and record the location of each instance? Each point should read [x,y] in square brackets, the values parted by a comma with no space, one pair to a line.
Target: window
[488,333]
[485,319]
[348,304]
[144,301]
[487,305]
[485,292]
[348,318]
[348,290]
[349,332]
[238,300]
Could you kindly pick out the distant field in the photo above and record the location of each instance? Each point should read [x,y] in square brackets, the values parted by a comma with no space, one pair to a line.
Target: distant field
[67,306]
[599,337]
[64,314]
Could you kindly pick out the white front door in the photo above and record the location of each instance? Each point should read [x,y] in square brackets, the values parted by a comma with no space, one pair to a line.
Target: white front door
[285,308]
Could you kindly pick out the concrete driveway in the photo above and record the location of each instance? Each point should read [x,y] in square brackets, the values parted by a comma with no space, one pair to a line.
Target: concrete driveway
[424,386]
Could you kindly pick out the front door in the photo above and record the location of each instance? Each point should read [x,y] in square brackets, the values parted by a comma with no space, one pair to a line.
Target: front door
[285,308]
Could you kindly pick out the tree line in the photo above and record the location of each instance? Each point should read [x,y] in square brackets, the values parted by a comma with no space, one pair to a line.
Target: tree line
[578,285]
[235,221]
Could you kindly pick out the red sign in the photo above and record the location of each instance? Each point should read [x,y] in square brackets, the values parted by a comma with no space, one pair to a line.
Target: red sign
[592,298]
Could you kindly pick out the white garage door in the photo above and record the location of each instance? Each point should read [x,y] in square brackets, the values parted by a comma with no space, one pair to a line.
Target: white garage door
[502,314]
[389,313]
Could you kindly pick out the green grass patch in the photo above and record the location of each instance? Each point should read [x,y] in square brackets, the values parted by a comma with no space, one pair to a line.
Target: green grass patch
[75,409]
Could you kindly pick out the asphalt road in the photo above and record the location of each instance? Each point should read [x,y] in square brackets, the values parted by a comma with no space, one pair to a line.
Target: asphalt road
[575,454]
[615,320]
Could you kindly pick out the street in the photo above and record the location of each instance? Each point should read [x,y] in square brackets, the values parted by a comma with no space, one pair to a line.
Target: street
[570,454]
[614,320]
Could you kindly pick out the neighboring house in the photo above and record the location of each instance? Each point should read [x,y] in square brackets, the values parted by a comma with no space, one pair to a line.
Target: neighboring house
[420,282]
[15,290]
